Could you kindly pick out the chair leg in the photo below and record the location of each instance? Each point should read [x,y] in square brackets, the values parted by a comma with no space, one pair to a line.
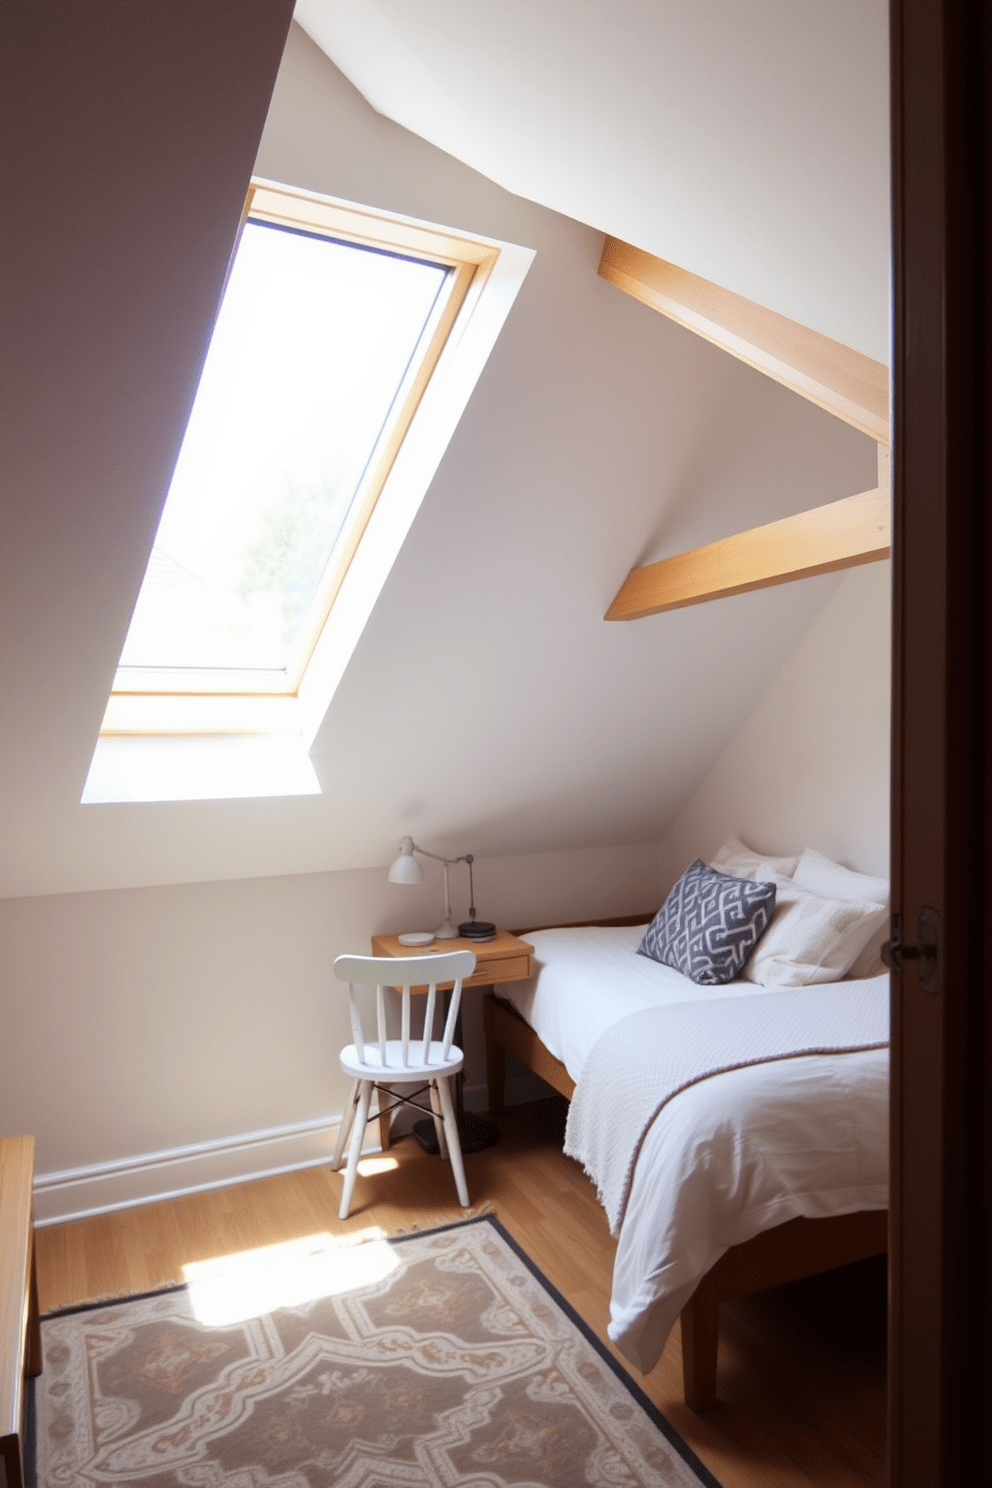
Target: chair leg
[442,1145]
[344,1130]
[454,1147]
[385,1119]
[361,1120]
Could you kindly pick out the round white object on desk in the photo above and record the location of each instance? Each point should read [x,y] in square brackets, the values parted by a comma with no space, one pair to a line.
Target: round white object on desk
[416,938]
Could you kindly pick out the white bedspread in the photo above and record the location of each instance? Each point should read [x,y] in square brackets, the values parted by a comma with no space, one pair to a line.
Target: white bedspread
[726,1158]
[664,1050]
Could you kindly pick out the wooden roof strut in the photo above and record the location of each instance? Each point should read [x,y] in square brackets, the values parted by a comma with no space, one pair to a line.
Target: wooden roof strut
[848,384]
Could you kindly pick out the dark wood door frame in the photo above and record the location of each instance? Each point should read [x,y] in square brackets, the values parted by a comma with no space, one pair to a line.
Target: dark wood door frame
[942,689]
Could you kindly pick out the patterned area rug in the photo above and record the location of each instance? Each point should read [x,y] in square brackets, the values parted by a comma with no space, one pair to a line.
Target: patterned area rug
[441,1358]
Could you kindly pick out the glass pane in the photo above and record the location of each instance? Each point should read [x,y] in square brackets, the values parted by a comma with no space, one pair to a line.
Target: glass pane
[312,343]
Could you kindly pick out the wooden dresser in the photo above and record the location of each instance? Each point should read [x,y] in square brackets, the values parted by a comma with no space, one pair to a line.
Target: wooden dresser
[20,1332]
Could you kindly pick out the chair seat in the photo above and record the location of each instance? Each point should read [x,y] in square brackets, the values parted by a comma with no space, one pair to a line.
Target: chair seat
[395,1069]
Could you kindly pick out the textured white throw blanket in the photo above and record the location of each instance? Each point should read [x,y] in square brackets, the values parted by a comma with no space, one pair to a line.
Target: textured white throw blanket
[640,1063]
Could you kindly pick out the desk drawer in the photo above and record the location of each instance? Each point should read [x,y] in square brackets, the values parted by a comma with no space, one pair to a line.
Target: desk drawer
[490,973]
[506,969]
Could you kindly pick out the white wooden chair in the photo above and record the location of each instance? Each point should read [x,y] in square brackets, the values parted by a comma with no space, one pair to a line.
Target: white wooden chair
[382,1064]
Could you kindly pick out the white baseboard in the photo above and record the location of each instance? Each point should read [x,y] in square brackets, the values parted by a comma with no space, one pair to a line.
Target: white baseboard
[77,1193]
[99,1188]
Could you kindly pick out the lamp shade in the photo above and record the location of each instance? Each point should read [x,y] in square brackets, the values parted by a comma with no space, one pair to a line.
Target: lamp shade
[405,869]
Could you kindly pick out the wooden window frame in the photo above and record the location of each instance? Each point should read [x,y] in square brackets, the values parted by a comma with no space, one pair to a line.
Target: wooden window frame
[215,701]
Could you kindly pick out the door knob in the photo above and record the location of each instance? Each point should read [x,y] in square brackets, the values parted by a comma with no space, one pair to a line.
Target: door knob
[926,953]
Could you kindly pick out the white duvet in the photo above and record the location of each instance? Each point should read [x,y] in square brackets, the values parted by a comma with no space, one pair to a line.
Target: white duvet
[729,1157]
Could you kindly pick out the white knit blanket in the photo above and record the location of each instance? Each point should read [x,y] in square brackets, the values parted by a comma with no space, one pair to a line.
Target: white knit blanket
[642,1061]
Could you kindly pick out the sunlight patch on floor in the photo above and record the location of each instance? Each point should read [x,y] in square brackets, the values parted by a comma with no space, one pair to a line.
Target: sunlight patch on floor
[229,1289]
[371,1165]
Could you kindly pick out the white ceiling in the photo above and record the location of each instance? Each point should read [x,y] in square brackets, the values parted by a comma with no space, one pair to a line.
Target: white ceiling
[747,142]
[599,436]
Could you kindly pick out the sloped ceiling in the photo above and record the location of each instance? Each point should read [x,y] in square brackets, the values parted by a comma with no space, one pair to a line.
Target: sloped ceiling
[746,142]
[487,707]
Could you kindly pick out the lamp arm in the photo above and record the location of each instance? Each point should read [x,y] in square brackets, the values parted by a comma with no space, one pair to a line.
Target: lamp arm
[447,863]
[466,858]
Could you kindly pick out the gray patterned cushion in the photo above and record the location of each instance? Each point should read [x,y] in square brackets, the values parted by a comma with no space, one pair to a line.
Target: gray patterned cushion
[709,924]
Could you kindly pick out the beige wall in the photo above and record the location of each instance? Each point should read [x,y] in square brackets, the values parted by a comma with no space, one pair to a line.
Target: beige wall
[140,1022]
[201,1021]
[156,1038]
[809,767]
[600,435]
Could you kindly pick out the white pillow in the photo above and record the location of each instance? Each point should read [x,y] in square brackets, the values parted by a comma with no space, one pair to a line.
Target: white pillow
[811,938]
[824,876]
[741,862]
[834,881]
[868,963]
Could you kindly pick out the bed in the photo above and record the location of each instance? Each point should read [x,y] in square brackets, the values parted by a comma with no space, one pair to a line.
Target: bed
[806,1185]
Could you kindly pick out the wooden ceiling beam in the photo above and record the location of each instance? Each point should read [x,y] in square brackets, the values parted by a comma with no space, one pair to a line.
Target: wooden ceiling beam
[844,382]
[848,384]
[842,534]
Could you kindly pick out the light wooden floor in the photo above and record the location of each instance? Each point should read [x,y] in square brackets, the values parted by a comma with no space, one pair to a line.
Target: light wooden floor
[802,1369]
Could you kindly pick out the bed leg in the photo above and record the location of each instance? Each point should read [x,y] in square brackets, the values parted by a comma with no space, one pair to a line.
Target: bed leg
[700,1322]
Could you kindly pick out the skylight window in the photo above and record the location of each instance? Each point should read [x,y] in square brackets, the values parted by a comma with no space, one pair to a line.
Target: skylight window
[346,347]
[315,344]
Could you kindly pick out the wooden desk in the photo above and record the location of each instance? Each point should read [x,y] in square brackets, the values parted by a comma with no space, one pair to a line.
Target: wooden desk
[20,1333]
[505,958]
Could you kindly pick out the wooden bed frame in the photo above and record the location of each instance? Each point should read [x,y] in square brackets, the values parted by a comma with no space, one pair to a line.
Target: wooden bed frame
[800,1247]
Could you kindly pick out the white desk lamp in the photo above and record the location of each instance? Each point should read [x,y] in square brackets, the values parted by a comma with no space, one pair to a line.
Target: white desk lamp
[474,1132]
[405,869]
